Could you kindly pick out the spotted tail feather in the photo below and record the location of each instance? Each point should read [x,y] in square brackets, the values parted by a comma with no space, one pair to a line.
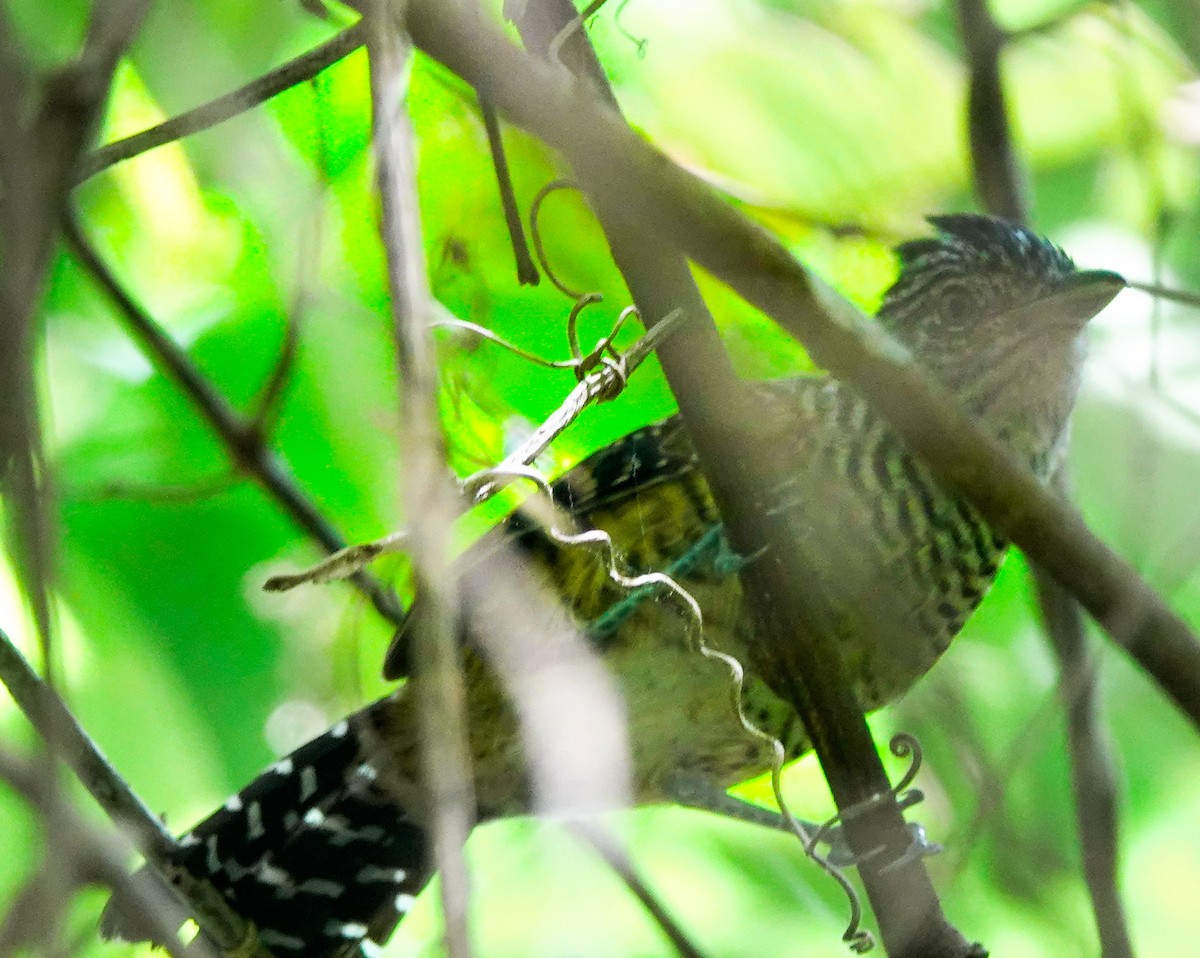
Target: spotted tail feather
[323,860]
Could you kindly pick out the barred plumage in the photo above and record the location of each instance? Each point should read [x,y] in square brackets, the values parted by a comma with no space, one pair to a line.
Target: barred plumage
[324,852]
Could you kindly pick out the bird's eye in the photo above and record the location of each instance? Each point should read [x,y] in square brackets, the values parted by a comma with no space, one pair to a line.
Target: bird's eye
[957,306]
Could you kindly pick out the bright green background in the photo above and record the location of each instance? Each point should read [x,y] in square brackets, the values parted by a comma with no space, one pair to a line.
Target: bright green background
[814,116]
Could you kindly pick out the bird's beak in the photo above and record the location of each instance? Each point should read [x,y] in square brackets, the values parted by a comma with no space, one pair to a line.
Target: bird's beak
[1078,297]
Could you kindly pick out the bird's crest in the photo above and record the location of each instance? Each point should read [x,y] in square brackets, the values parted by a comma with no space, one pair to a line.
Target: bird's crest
[967,243]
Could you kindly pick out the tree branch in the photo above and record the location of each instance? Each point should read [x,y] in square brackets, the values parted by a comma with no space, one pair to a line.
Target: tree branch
[999,176]
[290,74]
[1000,181]
[1093,778]
[677,207]
[241,437]
[431,500]
[74,854]
[797,637]
[56,725]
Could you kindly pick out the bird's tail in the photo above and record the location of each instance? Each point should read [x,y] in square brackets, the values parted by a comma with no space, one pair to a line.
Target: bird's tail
[314,851]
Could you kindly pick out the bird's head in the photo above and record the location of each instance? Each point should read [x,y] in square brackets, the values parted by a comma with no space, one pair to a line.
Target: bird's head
[997,314]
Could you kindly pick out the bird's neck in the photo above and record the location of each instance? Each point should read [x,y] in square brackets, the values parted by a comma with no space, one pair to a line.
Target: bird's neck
[1023,396]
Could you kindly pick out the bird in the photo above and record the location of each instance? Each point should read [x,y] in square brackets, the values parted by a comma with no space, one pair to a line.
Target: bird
[326,850]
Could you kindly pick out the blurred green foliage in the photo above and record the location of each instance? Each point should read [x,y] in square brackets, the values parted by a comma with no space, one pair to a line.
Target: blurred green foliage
[837,124]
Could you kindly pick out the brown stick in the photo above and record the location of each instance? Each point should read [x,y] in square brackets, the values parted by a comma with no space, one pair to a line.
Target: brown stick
[1001,182]
[430,499]
[290,74]
[241,437]
[797,639]
[57,726]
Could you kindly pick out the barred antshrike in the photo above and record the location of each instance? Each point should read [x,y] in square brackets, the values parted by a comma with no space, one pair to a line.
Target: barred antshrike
[324,852]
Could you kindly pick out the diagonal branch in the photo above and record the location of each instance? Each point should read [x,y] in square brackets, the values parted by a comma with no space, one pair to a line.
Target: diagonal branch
[241,437]
[74,853]
[294,72]
[53,721]
[797,631]
[57,726]
[677,207]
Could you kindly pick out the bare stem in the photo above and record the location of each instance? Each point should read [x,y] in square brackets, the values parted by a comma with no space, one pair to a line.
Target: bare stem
[431,500]
[999,176]
[57,726]
[290,74]
[75,853]
[794,640]
[242,440]
[606,845]
[1000,181]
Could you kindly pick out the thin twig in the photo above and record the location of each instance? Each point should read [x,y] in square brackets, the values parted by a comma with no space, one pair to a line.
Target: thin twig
[243,442]
[1093,779]
[999,176]
[605,844]
[56,725]
[290,74]
[270,397]
[76,854]
[1000,181]
[49,715]
[341,565]
[431,502]
[527,274]
[1184,296]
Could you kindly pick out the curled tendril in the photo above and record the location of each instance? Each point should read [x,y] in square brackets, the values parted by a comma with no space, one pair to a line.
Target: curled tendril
[582,303]
[604,353]
[617,380]
[604,350]
[484,333]
[488,481]
[577,22]
[639,43]
[535,232]
[583,364]
[903,745]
